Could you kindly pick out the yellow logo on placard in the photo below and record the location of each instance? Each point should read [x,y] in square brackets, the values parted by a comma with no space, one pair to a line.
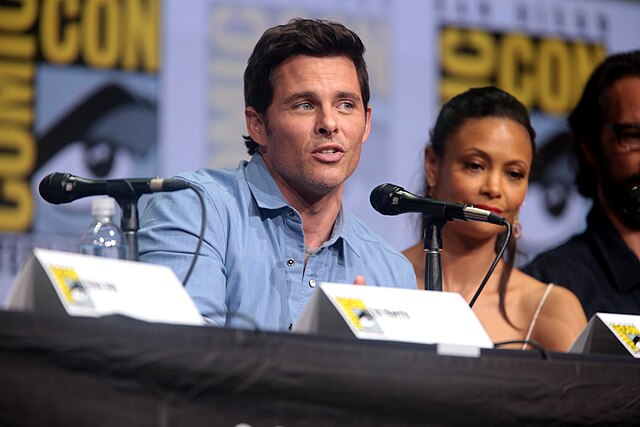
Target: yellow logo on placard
[354,309]
[629,334]
[68,282]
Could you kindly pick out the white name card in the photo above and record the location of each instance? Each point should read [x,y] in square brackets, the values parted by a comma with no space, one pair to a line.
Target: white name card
[391,314]
[84,285]
[610,333]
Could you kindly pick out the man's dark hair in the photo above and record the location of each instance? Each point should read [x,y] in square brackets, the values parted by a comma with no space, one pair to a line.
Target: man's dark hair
[587,118]
[317,38]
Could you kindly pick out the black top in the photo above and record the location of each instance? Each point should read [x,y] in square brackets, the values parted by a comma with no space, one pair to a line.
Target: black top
[596,265]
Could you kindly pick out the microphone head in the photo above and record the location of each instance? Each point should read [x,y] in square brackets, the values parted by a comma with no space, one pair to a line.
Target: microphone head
[381,198]
[51,188]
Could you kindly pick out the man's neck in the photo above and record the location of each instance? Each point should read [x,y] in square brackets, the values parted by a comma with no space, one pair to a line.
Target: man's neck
[318,223]
[319,215]
[319,211]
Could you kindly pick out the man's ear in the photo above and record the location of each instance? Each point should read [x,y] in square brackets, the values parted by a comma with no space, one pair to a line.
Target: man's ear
[431,164]
[256,126]
[367,118]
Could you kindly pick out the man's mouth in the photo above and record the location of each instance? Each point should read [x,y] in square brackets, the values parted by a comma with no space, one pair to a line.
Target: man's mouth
[328,151]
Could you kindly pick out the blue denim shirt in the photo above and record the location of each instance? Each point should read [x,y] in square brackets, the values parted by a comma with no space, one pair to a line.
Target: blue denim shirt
[251,264]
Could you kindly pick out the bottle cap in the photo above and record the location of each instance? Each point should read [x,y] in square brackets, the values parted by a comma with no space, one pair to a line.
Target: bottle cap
[103,206]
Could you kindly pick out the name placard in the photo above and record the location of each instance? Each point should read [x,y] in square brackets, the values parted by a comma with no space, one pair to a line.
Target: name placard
[610,333]
[392,314]
[83,285]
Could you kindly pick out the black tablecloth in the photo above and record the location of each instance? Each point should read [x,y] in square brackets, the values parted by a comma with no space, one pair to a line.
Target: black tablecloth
[116,371]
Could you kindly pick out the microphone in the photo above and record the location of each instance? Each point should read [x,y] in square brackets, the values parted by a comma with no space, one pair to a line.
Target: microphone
[59,187]
[390,199]
[631,203]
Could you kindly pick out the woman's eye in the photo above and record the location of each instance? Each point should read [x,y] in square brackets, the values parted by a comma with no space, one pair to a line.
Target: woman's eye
[473,166]
[515,175]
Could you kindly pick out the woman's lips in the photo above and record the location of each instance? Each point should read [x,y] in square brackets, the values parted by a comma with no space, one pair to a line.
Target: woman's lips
[488,208]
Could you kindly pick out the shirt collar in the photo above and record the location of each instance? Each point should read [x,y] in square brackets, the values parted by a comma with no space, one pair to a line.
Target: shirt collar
[344,224]
[343,231]
[623,264]
[263,187]
[268,196]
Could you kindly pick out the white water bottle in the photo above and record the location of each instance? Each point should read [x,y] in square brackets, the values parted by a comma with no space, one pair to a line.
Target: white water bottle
[103,237]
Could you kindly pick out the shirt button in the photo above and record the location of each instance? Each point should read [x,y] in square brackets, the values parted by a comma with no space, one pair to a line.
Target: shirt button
[290,262]
[291,213]
[312,283]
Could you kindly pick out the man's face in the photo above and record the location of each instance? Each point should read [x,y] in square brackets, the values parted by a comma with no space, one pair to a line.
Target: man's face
[619,167]
[314,129]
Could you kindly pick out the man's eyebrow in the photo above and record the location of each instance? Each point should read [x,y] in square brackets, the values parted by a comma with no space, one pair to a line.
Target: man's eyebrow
[307,94]
[300,95]
[349,95]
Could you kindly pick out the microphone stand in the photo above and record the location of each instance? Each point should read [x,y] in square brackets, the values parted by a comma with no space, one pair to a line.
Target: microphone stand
[432,247]
[129,224]
[127,197]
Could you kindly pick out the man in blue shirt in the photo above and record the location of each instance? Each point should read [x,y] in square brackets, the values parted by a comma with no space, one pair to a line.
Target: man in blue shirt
[276,226]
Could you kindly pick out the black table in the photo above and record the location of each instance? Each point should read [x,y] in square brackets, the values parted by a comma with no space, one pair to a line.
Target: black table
[116,371]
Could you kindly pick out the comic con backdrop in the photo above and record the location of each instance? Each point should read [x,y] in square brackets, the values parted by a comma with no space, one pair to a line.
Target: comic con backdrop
[108,89]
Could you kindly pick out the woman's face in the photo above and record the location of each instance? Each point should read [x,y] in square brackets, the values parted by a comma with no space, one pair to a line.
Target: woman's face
[486,163]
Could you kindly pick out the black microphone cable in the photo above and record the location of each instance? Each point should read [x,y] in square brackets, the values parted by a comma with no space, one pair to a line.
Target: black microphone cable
[493,265]
[203,223]
[234,314]
[544,353]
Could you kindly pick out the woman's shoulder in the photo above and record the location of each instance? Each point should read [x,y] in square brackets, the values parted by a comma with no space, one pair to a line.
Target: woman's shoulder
[528,290]
[560,316]
[531,288]
[532,291]
[414,253]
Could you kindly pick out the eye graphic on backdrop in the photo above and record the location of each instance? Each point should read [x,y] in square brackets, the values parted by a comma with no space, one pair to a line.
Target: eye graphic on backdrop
[98,157]
[107,134]
[555,173]
[554,206]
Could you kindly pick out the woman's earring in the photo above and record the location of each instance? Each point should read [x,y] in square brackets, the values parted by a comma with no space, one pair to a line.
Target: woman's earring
[517,228]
